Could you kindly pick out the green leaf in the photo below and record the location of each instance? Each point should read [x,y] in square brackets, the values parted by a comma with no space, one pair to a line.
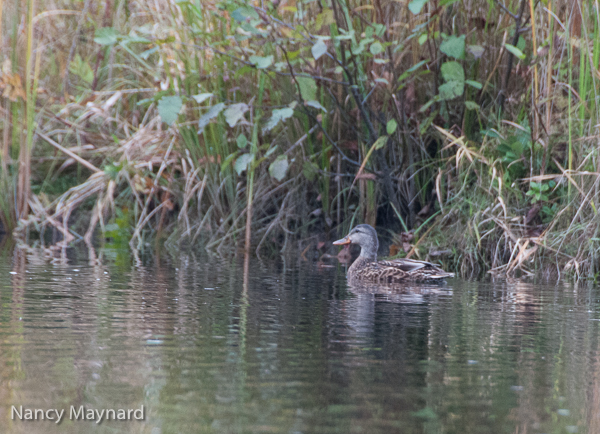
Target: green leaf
[454,47]
[514,50]
[426,413]
[470,105]
[246,69]
[106,36]
[319,49]
[244,14]
[234,113]
[379,29]
[277,116]
[412,69]
[271,150]
[81,69]
[145,54]
[491,133]
[391,126]
[415,6]
[308,88]
[376,48]
[133,38]
[453,71]
[201,97]
[261,62]
[429,103]
[345,35]
[476,50]
[417,65]
[475,84]
[169,108]
[454,75]
[380,142]
[315,104]
[325,18]
[242,162]
[228,161]
[310,170]
[212,113]
[422,38]
[278,168]
[241,141]
[451,90]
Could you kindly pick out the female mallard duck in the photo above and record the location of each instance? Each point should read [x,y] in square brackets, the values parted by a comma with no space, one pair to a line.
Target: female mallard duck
[367,268]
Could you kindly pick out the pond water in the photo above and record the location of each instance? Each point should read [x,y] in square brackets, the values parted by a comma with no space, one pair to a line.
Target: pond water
[209,345]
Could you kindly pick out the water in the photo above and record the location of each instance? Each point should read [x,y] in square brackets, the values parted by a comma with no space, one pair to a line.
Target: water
[286,347]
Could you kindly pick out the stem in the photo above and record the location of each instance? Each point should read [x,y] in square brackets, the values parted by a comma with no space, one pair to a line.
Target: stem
[535,70]
[254,151]
[515,41]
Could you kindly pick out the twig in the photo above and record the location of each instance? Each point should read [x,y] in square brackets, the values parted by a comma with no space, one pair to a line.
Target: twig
[505,9]
[510,55]
[69,153]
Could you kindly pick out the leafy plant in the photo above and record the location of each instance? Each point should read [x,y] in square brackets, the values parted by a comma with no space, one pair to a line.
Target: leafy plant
[538,191]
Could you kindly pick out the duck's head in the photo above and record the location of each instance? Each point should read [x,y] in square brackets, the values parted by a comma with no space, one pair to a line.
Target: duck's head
[366,237]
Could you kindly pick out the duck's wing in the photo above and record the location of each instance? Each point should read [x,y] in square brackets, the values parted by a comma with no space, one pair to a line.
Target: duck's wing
[407,264]
[413,266]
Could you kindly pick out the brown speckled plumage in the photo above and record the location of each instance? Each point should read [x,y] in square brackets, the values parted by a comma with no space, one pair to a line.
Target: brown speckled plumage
[367,268]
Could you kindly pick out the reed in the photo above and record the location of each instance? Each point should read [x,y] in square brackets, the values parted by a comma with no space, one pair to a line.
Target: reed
[219,119]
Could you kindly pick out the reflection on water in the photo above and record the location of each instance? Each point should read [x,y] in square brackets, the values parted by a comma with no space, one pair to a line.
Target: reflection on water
[288,347]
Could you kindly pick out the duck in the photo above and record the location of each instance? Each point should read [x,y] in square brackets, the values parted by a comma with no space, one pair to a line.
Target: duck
[366,268]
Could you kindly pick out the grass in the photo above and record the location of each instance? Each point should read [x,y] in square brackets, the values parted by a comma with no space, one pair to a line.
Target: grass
[243,123]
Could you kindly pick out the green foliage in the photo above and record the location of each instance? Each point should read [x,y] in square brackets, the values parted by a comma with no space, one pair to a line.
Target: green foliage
[454,75]
[514,152]
[234,113]
[242,162]
[539,191]
[391,126]
[549,212]
[201,97]
[169,108]
[415,6]
[278,115]
[119,230]
[278,168]
[319,49]
[212,113]
[294,101]
[514,50]
[106,36]
[81,69]
[308,88]
[454,46]
[262,62]
[241,141]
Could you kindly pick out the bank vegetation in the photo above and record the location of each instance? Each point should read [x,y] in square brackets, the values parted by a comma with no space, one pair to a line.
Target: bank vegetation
[468,128]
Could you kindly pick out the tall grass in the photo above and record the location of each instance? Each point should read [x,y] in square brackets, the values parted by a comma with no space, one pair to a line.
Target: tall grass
[470,127]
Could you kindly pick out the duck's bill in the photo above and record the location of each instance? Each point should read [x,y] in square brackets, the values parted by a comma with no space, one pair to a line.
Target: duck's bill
[341,242]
